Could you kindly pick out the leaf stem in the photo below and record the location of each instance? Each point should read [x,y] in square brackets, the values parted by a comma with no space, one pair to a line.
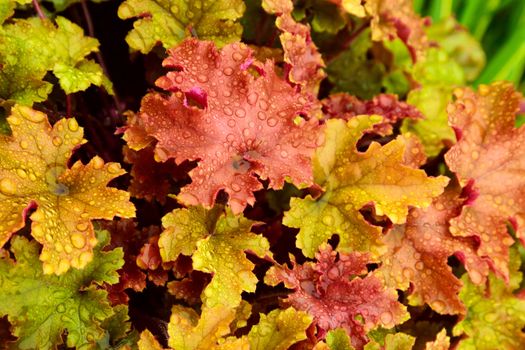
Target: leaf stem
[39,9]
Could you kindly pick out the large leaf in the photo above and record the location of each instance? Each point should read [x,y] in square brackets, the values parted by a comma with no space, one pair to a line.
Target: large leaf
[34,173]
[42,307]
[353,179]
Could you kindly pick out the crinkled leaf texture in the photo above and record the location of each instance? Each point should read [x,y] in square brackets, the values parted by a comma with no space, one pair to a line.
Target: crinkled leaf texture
[418,251]
[213,330]
[333,293]
[246,125]
[34,173]
[42,307]
[391,19]
[217,241]
[489,159]
[170,21]
[495,317]
[279,329]
[352,179]
[62,49]
[305,63]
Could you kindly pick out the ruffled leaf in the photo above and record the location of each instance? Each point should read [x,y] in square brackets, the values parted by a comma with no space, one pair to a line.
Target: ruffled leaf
[300,53]
[245,126]
[42,307]
[489,159]
[170,21]
[279,330]
[353,179]
[34,173]
[334,294]
[61,49]
[495,316]
[217,242]
[418,252]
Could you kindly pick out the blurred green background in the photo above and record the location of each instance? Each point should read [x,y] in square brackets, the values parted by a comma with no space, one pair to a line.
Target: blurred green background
[499,25]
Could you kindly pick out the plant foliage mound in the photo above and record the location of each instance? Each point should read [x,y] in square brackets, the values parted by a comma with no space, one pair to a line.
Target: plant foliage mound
[262,174]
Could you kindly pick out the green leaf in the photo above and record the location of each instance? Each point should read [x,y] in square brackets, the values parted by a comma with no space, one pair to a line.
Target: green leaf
[397,341]
[353,179]
[170,21]
[61,5]
[353,72]
[495,316]
[338,339]
[189,331]
[41,307]
[61,49]
[460,45]
[279,329]
[218,241]
[438,75]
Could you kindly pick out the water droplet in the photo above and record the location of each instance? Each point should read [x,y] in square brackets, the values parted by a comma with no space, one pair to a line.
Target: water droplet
[252,98]
[237,56]
[438,305]
[34,116]
[22,173]
[57,141]
[271,122]
[263,105]
[61,308]
[78,240]
[241,113]
[72,124]
[328,220]
[8,187]
[386,317]
[228,71]
[24,144]
[114,168]
[174,9]
[231,123]
[420,265]
[408,273]
[284,154]
[227,111]
[261,115]
[202,78]
[236,187]
[490,317]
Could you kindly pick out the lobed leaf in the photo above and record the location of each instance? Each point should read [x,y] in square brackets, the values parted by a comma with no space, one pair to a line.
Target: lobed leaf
[488,159]
[333,293]
[246,128]
[42,307]
[170,21]
[217,242]
[418,251]
[34,173]
[62,49]
[353,179]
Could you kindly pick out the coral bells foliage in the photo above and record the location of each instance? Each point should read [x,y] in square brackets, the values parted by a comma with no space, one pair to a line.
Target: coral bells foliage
[236,116]
[286,177]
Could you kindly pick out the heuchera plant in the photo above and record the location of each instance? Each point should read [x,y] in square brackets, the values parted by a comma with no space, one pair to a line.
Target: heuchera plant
[264,175]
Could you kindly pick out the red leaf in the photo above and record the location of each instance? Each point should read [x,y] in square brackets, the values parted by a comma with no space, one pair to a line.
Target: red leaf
[247,126]
[388,106]
[489,160]
[331,291]
[418,252]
